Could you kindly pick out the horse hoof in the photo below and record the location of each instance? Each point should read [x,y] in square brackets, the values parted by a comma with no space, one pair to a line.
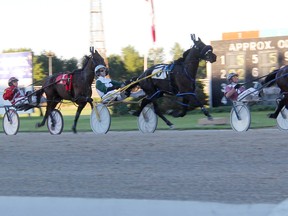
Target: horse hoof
[210,118]
[37,125]
[176,114]
[169,112]
[272,115]
[134,113]
[74,130]
[171,127]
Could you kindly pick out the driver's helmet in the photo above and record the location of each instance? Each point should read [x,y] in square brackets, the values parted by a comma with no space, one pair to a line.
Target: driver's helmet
[230,75]
[98,69]
[12,79]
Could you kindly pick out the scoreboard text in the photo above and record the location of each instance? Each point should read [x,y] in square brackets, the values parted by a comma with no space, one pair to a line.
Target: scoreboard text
[250,58]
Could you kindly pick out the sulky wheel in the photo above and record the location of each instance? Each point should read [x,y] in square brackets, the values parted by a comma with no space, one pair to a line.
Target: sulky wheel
[55,122]
[147,120]
[100,119]
[11,122]
[282,119]
[240,117]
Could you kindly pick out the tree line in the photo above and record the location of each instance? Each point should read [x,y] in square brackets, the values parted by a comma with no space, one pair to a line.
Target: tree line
[121,67]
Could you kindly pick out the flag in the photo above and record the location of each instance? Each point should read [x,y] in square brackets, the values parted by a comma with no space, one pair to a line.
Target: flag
[153,29]
[153,33]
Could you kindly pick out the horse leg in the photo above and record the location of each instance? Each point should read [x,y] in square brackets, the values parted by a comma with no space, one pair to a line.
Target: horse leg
[91,104]
[185,103]
[281,104]
[78,112]
[50,107]
[40,109]
[157,111]
[39,94]
[183,111]
[206,112]
[179,113]
[144,102]
[203,109]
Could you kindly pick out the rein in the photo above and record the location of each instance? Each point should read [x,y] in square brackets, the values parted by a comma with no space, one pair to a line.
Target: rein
[92,56]
[266,84]
[260,78]
[189,77]
[191,62]
[93,60]
[131,84]
[187,74]
[184,94]
[271,81]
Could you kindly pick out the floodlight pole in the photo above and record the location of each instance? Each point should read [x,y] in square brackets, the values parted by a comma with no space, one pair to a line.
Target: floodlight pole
[50,55]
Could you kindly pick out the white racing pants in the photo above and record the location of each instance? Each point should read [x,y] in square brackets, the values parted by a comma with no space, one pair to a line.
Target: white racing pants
[114,95]
[250,94]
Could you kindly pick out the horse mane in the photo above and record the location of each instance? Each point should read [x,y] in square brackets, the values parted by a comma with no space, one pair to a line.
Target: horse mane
[182,59]
[77,71]
[270,79]
[85,61]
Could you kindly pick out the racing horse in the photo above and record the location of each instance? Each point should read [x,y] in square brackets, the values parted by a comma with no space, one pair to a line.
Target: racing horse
[74,86]
[280,78]
[178,78]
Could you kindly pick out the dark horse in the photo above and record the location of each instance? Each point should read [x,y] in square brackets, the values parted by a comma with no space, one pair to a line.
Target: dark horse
[279,77]
[177,79]
[74,86]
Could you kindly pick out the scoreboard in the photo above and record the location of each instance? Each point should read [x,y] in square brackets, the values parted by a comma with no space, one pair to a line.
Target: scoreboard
[250,58]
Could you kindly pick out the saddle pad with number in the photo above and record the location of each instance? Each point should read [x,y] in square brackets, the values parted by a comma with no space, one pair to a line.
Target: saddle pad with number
[65,79]
[162,71]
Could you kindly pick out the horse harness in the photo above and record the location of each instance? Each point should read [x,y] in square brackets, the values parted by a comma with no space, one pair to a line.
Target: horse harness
[66,80]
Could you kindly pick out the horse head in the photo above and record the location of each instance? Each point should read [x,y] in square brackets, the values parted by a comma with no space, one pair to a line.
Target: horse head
[178,80]
[96,58]
[204,52]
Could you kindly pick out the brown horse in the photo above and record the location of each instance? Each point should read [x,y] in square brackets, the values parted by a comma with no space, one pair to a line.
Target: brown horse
[279,77]
[73,86]
[177,79]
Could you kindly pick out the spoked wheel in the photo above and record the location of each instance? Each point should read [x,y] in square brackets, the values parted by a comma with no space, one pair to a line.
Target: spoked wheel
[100,119]
[11,122]
[147,120]
[282,119]
[55,122]
[240,118]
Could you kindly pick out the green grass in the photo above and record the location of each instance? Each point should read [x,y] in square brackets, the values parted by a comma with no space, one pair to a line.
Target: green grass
[128,122]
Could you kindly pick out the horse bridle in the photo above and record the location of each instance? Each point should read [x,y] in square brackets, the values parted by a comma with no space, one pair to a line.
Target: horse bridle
[204,51]
[93,59]
[92,56]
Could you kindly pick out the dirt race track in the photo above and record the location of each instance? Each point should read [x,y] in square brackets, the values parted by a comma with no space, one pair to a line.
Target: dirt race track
[212,165]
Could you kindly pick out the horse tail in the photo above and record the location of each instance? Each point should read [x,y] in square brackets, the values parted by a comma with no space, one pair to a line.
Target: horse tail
[130,84]
[270,78]
[133,82]
[39,94]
